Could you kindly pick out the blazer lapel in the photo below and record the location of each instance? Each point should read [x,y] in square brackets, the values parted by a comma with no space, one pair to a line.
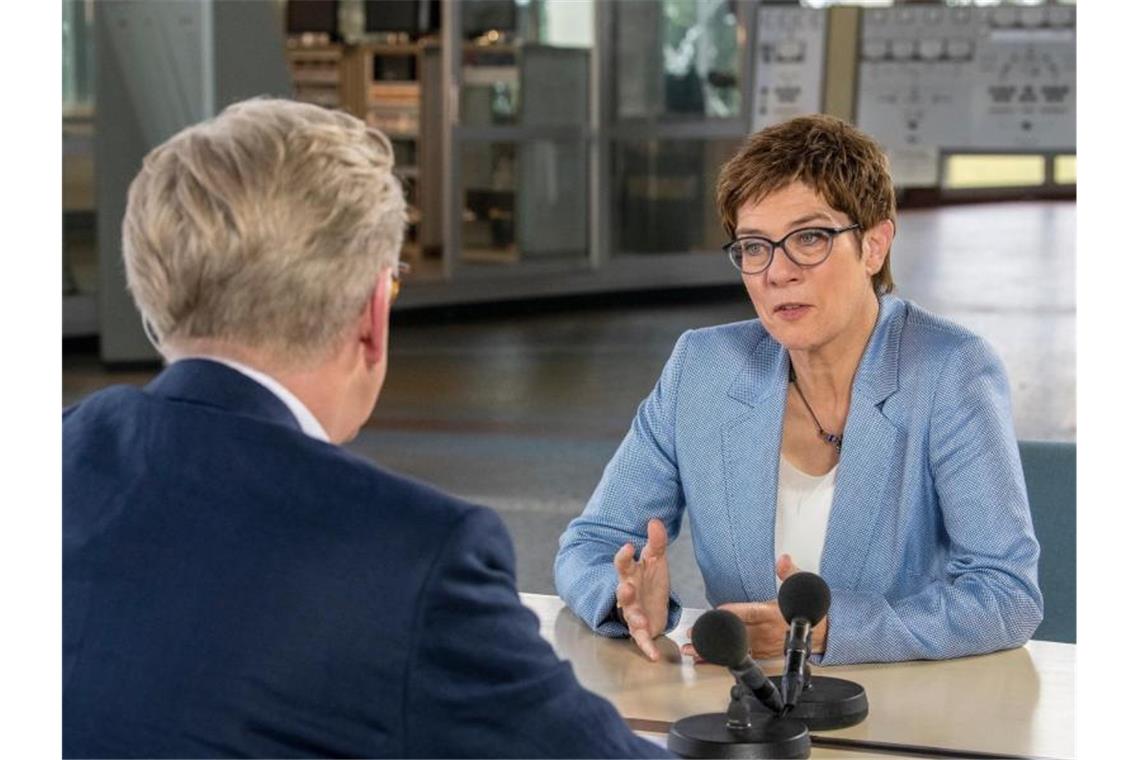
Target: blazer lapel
[751,453]
[872,445]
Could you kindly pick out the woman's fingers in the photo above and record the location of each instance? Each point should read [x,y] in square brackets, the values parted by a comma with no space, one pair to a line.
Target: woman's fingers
[645,642]
[626,594]
[785,567]
[766,626]
[755,613]
[658,541]
[635,617]
[623,560]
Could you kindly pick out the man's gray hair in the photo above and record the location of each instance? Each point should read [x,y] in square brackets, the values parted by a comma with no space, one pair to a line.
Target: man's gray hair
[266,226]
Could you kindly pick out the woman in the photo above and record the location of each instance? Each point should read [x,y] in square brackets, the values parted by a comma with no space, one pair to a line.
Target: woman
[846,431]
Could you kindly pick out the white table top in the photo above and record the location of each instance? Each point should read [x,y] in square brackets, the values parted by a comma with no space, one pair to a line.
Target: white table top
[1019,702]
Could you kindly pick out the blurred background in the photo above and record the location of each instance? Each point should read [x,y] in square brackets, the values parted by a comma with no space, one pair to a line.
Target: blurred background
[560,158]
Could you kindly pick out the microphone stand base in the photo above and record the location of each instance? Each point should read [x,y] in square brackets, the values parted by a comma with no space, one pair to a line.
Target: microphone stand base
[829,703]
[708,736]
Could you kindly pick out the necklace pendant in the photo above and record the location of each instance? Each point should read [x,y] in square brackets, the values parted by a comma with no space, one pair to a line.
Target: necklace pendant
[834,440]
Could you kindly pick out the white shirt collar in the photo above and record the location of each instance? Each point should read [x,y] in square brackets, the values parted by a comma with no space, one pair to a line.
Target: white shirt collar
[310,426]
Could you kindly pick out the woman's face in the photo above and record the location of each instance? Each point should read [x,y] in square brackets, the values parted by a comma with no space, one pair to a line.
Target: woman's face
[805,308]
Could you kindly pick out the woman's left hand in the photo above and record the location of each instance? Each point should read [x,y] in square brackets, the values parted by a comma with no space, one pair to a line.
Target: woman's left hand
[766,625]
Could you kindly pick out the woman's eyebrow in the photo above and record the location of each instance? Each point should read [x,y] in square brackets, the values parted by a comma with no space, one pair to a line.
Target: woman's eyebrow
[818,215]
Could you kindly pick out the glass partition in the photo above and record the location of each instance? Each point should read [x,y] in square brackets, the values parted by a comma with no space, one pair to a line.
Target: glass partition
[487,193]
[522,134]
[525,63]
[677,59]
[664,195]
[78,56]
[587,137]
[524,200]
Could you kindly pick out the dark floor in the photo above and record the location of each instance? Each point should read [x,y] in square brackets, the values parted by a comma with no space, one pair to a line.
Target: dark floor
[521,412]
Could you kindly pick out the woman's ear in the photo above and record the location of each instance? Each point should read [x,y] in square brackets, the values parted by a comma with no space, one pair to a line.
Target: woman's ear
[877,244]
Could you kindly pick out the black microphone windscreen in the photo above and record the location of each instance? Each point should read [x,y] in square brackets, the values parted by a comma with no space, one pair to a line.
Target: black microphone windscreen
[804,595]
[721,638]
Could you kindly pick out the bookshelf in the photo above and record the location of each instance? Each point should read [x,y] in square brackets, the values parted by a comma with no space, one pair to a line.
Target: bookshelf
[316,72]
[395,87]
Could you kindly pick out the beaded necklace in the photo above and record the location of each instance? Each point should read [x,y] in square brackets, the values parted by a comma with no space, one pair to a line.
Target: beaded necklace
[834,440]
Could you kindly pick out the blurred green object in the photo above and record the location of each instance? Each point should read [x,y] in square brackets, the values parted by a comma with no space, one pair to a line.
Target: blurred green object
[1051,479]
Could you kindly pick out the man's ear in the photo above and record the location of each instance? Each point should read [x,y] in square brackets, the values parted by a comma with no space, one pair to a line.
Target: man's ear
[373,326]
[877,244]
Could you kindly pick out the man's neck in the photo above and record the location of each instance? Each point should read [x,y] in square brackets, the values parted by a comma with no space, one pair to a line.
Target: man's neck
[318,386]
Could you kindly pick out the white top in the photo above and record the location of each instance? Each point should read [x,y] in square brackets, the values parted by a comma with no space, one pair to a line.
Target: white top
[309,424]
[803,505]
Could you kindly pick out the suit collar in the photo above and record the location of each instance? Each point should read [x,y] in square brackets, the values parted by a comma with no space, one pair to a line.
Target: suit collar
[878,373]
[210,383]
[765,370]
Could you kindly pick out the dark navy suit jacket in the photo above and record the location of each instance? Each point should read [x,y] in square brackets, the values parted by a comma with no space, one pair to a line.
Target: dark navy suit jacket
[233,587]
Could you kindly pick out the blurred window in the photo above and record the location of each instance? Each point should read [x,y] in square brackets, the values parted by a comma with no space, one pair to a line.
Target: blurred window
[966,171]
[1065,170]
[78,59]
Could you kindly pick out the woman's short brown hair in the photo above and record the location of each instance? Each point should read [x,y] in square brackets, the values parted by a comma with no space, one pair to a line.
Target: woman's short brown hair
[843,164]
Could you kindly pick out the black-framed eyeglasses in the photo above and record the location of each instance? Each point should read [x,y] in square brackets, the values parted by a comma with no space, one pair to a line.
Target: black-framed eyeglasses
[401,269]
[806,247]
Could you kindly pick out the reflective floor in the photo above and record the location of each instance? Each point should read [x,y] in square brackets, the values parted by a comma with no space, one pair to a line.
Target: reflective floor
[521,413]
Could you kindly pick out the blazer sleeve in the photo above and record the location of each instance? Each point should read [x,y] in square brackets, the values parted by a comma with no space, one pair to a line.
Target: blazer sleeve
[482,682]
[640,482]
[990,599]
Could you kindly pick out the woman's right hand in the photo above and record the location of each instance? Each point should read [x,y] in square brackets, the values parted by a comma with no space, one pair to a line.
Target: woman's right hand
[643,589]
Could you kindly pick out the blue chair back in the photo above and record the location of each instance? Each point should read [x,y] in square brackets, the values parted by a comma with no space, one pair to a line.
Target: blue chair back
[1051,479]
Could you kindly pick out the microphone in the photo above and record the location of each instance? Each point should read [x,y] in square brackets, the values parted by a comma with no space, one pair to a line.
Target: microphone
[822,703]
[743,730]
[804,600]
[721,638]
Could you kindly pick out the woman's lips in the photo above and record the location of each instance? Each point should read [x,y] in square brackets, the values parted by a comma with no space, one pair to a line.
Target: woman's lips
[792,311]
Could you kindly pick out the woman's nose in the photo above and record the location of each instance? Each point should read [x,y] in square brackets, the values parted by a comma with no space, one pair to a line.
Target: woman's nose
[782,269]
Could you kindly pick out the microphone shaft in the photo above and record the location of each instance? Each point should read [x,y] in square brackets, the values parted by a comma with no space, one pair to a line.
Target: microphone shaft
[749,675]
[799,649]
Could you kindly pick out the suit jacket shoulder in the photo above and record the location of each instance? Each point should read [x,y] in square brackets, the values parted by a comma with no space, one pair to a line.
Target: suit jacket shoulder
[234,587]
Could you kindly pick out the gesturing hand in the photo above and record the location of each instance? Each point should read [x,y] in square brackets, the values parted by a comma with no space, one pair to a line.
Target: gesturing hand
[643,588]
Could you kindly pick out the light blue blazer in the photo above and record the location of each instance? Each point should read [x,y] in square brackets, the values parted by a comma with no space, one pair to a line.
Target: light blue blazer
[930,551]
